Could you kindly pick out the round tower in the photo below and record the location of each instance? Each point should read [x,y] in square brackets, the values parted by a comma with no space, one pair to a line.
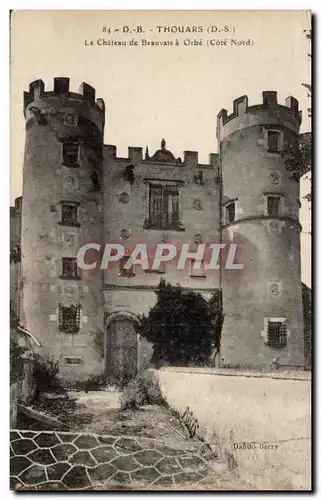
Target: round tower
[62,210]
[263,323]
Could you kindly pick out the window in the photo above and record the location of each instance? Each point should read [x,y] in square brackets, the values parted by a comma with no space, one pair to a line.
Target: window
[70,153]
[163,206]
[276,333]
[69,268]
[125,272]
[273,206]
[195,272]
[161,269]
[274,141]
[72,360]
[69,318]
[69,214]
[230,212]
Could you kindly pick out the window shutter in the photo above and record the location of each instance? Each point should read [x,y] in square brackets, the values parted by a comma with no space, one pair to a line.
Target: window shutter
[155,204]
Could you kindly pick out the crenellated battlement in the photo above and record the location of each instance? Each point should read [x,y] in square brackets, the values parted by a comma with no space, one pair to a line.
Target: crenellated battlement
[135,155]
[270,112]
[86,93]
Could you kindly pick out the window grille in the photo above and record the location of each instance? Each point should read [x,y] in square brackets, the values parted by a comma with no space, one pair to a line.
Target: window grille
[69,267]
[69,318]
[276,333]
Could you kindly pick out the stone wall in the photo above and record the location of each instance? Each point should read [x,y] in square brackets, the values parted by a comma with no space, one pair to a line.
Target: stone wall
[76,461]
[261,410]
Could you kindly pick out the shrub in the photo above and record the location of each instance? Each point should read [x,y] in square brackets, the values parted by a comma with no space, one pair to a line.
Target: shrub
[140,391]
[45,373]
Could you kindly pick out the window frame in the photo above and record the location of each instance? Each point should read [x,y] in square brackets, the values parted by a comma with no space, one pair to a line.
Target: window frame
[197,273]
[286,335]
[160,270]
[169,185]
[126,273]
[65,162]
[66,276]
[74,327]
[273,210]
[69,222]
[226,211]
[280,141]
[281,335]
[280,197]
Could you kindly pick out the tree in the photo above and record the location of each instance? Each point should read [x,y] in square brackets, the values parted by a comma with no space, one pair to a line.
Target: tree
[298,155]
[183,326]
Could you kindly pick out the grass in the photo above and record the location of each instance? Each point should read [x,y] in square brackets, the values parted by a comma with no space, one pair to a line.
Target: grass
[140,391]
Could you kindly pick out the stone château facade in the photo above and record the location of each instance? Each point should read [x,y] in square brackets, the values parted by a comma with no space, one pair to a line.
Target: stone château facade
[77,190]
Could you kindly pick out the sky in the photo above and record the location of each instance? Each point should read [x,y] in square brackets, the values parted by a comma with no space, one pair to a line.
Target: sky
[154,92]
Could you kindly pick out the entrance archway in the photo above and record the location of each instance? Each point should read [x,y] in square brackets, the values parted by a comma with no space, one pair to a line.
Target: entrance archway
[121,347]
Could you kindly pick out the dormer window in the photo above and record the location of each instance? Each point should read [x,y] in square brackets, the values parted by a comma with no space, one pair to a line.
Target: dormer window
[274,141]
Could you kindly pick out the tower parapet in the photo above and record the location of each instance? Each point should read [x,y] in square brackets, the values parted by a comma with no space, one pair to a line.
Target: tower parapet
[269,113]
[83,106]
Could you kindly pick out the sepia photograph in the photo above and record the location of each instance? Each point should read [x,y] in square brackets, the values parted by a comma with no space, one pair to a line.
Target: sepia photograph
[160,250]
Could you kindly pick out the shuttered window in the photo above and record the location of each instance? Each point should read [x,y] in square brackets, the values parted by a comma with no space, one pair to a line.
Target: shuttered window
[163,206]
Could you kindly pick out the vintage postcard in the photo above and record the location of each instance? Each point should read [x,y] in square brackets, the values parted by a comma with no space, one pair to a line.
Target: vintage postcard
[160,296]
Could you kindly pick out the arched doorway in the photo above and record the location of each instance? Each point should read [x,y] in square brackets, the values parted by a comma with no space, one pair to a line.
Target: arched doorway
[121,347]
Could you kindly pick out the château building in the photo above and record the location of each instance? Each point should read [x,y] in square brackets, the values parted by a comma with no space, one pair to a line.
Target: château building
[77,190]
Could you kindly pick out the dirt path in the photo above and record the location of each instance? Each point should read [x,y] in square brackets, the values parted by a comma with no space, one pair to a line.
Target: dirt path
[106,417]
[152,435]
